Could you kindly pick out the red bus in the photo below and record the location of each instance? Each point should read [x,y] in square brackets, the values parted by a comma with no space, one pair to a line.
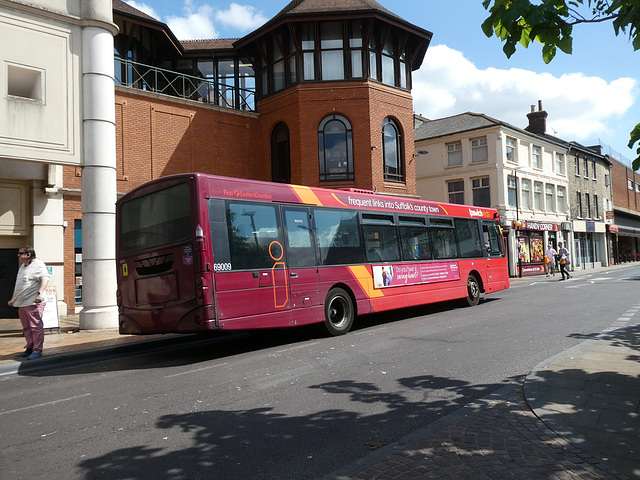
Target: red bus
[199,252]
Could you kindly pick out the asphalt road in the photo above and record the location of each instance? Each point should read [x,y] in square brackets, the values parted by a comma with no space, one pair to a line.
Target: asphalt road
[293,404]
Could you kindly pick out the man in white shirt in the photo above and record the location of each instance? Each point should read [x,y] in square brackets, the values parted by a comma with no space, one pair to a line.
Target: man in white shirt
[551,257]
[28,293]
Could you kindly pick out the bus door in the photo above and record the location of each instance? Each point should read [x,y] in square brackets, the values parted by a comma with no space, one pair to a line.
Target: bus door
[252,286]
[302,265]
[494,249]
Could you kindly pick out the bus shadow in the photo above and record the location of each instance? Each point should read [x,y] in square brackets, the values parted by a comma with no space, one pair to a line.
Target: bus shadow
[194,349]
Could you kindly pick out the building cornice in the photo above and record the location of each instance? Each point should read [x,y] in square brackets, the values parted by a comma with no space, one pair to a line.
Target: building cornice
[35,10]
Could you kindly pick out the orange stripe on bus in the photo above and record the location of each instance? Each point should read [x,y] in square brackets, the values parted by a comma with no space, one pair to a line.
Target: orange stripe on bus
[364,278]
[306,195]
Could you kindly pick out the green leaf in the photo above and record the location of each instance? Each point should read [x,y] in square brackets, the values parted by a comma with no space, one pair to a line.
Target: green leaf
[635,136]
[487,27]
[566,45]
[509,48]
[548,52]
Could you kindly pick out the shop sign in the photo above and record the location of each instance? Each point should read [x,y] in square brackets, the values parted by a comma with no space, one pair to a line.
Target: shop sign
[591,226]
[532,269]
[613,228]
[540,227]
[609,214]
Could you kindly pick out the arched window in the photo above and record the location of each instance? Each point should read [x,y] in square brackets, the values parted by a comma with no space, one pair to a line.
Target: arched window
[335,148]
[280,157]
[392,151]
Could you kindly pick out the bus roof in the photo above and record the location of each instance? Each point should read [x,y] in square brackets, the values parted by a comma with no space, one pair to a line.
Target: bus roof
[256,190]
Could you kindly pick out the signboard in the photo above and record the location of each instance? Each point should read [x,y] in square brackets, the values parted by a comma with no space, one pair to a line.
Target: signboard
[50,315]
[609,214]
[412,274]
[613,228]
[539,226]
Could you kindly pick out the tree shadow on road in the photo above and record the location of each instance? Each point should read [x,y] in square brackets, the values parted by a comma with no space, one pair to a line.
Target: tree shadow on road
[591,396]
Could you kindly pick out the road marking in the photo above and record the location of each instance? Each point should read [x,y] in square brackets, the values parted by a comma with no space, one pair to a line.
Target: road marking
[195,371]
[45,404]
[297,347]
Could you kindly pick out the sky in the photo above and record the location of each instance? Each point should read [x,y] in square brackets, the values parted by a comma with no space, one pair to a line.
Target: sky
[591,96]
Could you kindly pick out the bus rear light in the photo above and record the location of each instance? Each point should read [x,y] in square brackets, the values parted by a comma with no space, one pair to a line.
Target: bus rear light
[118,298]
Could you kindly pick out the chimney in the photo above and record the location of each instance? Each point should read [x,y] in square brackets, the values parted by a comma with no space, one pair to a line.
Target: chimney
[537,120]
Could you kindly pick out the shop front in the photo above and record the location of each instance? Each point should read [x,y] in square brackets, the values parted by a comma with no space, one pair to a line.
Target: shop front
[531,239]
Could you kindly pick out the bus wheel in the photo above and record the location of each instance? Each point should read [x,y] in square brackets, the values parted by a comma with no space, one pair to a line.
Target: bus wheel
[473,291]
[338,312]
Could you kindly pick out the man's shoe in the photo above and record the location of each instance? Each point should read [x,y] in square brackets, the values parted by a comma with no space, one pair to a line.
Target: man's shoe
[26,353]
[34,355]
[562,279]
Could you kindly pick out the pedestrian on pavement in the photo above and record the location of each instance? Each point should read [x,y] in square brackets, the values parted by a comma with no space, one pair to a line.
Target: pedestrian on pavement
[563,253]
[550,260]
[28,294]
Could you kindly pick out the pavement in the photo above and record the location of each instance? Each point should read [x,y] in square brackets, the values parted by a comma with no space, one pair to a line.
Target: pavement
[574,416]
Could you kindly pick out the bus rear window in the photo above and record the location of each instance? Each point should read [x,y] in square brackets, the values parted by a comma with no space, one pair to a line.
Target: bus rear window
[160,218]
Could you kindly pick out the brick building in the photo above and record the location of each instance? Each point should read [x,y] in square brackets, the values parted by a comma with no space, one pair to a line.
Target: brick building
[626,209]
[320,95]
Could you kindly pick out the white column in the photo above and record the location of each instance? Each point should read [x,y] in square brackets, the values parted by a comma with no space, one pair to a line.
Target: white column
[99,308]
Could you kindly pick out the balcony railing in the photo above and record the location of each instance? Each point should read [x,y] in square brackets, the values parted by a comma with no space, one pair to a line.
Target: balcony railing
[158,80]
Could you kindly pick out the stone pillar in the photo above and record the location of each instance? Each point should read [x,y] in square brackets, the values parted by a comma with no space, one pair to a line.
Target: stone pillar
[99,168]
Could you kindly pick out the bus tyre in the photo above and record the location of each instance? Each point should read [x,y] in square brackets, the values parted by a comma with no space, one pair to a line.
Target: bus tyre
[338,312]
[473,291]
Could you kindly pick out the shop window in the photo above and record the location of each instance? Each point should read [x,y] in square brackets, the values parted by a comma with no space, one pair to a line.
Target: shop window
[77,251]
[335,148]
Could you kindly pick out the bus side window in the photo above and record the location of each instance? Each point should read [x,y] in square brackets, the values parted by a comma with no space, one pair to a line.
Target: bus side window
[444,242]
[381,238]
[469,238]
[338,236]
[415,243]
[252,228]
[219,237]
[301,251]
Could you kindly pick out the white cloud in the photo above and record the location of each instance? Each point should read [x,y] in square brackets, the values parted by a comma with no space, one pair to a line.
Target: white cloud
[143,7]
[195,24]
[199,22]
[579,107]
[243,18]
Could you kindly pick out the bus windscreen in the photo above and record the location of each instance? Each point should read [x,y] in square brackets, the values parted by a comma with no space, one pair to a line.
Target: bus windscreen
[159,218]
